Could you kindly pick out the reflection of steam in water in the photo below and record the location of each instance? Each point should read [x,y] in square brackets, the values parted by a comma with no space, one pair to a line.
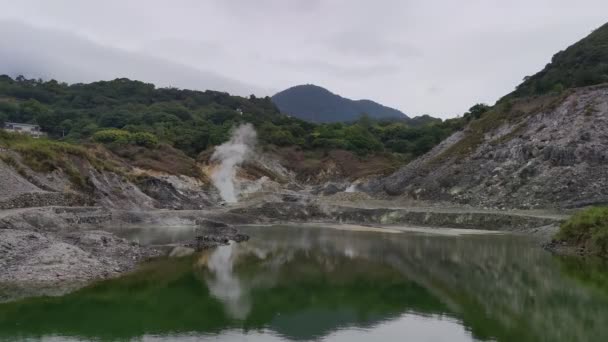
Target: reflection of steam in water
[270,256]
[271,250]
[225,285]
[232,289]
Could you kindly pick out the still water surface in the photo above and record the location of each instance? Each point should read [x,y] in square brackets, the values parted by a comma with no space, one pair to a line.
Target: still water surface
[319,284]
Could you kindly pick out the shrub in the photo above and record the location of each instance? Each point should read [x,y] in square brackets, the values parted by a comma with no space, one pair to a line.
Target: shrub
[118,136]
[588,229]
[108,136]
[360,140]
[144,139]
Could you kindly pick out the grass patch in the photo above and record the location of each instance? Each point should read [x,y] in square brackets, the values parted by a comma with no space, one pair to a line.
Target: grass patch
[587,229]
[44,155]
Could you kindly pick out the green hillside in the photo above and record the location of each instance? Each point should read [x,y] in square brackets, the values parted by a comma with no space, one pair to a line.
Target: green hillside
[123,111]
[583,64]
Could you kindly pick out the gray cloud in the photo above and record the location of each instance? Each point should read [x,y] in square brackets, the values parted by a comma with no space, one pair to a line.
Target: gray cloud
[370,44]
[36,52]
[434,89]
[353,71]
[269,6]
[431,56]
[191,52]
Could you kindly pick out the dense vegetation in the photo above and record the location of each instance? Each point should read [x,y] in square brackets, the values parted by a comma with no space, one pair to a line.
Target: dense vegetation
[587,229]
[135,113]
[316,104]
[582,64]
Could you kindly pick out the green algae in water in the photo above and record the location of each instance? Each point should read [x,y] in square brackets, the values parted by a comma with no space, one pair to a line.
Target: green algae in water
[290,283]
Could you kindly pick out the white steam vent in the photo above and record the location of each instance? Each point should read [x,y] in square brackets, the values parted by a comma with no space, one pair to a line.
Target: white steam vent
[352,188]
[230,155]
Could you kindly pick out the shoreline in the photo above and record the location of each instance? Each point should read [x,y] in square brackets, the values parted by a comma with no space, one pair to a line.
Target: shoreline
[387,229]
[75,246]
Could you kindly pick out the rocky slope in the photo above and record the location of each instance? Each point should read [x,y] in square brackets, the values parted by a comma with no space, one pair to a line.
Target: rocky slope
[547,151]
[54,250]
[49,263]
[165,178]
[125,188]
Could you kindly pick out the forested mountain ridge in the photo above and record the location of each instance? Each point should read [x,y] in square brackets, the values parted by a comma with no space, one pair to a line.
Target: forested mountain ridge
[189,120]
[316,104]
[194,121]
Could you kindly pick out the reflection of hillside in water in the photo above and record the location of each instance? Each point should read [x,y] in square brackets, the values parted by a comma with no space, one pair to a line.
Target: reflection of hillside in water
[501,286]
[323,282]
[313,283]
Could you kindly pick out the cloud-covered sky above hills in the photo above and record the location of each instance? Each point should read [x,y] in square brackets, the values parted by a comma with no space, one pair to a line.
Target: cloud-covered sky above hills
[432,56]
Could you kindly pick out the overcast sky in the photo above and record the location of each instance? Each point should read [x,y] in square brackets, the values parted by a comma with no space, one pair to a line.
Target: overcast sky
[420,56]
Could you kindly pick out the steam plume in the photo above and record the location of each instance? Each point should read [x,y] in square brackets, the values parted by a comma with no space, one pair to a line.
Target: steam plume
[230,155]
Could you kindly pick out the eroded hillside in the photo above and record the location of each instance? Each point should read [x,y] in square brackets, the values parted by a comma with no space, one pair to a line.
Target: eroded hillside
[547,151]
[36,173]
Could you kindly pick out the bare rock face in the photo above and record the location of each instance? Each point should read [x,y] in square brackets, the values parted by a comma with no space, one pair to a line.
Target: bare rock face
[54,263]
[330,188]
[126,188]
[552,156]
[168,195]
[14,184]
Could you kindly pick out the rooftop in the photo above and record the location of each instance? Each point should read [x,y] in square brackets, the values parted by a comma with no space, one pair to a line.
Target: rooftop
[19,124]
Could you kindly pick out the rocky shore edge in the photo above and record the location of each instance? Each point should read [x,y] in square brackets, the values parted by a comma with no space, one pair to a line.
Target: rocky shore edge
[54,250]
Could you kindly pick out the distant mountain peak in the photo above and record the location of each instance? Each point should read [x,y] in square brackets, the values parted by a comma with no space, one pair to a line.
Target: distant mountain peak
[316,104]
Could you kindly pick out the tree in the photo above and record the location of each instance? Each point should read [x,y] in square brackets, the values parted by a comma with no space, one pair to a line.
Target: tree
[113,119]
[65,126]
[423,145]
[30,109]
[476,111]
[558,88]
[360,140]
[365,121]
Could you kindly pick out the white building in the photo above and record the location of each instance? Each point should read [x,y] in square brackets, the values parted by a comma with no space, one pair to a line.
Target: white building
[33,130]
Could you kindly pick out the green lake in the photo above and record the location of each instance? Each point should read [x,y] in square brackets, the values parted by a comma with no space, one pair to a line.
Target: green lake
[320,284]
